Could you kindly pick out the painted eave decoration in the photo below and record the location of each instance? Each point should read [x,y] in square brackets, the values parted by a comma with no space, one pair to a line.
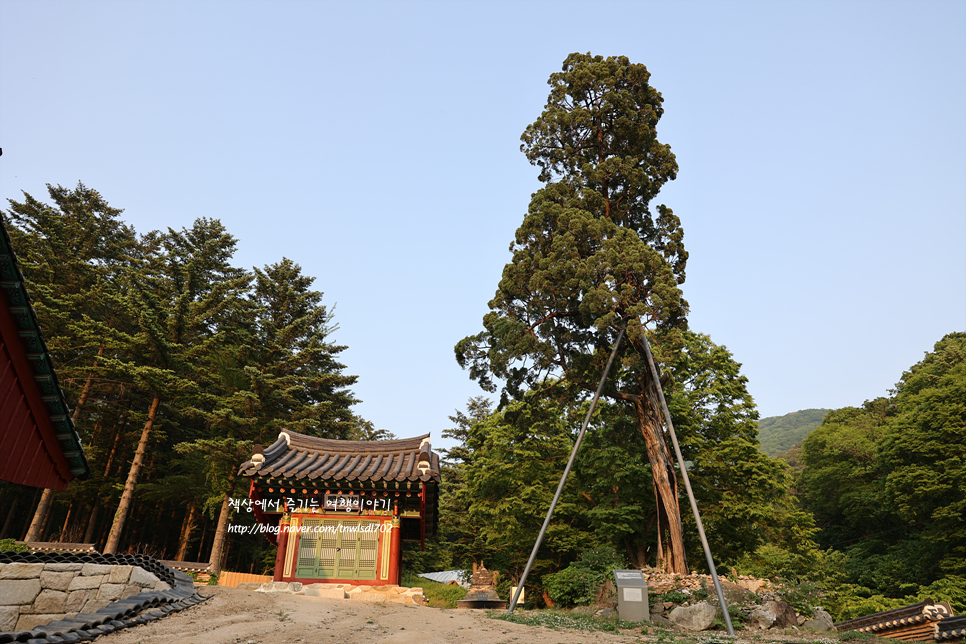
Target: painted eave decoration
[39,445]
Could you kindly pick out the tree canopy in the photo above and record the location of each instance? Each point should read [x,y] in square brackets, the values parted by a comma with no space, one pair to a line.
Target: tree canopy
[593,256]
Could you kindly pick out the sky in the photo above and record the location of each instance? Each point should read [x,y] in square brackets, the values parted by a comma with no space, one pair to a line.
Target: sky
[821,145]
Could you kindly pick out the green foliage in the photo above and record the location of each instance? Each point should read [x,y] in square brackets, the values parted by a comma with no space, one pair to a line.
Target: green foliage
[11,545]
[778,434]
[802,595]
[886,485]
[578,583]
[231,355]
[555,619]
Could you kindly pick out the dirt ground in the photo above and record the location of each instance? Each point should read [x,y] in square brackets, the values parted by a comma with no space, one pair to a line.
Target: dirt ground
[234,616]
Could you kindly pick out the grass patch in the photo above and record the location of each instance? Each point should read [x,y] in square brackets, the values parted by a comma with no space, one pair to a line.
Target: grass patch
[439,595]
[555,619]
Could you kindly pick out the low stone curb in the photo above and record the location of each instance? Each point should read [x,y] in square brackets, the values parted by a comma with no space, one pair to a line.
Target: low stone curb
[394,594]
[137,609]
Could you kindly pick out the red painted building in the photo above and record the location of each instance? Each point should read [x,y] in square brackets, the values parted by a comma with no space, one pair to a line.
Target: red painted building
[340,510]
[38,443]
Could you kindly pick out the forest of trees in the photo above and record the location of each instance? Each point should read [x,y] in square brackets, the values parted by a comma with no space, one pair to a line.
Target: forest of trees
[174,362]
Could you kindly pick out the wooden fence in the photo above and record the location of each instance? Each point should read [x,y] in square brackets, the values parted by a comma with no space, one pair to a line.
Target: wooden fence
[232,579]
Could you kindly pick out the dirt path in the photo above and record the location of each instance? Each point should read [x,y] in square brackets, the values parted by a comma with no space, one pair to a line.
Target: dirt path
[235,616]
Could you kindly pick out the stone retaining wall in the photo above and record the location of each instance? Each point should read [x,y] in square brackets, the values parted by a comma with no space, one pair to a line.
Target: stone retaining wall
[32,594]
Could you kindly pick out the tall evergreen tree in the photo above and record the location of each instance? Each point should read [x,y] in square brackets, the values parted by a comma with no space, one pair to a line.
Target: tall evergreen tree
[182,294]
[592,257]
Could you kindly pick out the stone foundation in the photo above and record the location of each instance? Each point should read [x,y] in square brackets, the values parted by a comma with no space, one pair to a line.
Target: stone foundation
[32,594]
[395,594]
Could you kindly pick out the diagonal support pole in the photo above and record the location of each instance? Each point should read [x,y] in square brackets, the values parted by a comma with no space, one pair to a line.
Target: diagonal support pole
[563,479]
[687,484]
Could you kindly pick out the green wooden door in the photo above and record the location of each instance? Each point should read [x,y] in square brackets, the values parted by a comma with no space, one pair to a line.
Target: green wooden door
[334,549]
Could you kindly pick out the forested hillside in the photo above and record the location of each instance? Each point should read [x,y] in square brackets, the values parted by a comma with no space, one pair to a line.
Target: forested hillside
[886,482]
[174,362]
[778,434]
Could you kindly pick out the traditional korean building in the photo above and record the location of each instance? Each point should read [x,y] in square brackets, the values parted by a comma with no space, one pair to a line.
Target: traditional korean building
[38,443]
[926,621]
[339,510]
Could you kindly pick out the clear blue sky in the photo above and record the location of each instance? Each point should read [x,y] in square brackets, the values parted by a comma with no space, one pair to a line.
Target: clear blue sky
[822,148]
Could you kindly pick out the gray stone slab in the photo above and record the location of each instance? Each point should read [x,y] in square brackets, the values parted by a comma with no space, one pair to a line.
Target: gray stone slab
[82,583]
[21,570]
[120,574]
[63,567]
[143,578]
[16,592]
[48,601]
[129,590]
[8,618]
[111,592]
[76,600]
[56,580]
[91,570]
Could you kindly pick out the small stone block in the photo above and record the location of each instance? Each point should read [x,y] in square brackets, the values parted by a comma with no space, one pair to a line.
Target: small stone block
[8,618]
[111,592]
[130,590]
[91,570]
[48,601]
[76,600]
[14,592]
[56,580]
[86,583]
[21,571]
[119,574]
[63,567]
[142,577]
[326,593]
[371,597]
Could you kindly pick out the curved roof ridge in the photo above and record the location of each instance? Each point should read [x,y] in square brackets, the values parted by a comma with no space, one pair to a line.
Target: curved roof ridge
[303,441]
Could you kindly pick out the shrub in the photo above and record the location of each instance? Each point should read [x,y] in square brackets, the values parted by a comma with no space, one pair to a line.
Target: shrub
[578,583]
[11,545]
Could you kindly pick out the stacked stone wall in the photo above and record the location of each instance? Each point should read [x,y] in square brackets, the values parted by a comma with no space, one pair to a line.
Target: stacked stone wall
[32,594]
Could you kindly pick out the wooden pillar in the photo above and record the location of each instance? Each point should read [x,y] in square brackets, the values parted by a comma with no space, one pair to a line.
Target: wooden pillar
[395,550]
[282,545]
[422,517]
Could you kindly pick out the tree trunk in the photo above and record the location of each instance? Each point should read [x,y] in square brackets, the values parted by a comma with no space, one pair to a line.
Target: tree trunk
[665,486]
[219,543]
[92,522]
[63,528]
[10,512]
[36,526]
[124,507]
[190,524]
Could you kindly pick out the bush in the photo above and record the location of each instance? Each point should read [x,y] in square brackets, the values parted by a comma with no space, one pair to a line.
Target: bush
[11,545]
[572,586]
[578,583]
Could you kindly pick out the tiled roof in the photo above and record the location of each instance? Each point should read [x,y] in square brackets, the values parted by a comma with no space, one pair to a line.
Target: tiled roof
[951,628]
[899,618]
[298,456]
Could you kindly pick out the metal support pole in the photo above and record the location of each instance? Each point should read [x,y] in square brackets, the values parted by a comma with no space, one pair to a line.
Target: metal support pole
[687,484]
[563,479]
